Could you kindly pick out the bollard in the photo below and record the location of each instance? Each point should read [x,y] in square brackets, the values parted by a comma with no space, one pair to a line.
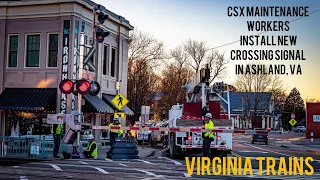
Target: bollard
[125,148]
[311,134]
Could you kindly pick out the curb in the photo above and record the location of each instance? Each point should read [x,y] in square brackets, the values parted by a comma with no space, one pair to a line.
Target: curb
[284,146]
[315,152]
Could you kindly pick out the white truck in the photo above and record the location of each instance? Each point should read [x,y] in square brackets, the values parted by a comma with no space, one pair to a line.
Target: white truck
[184,143]
[142,136]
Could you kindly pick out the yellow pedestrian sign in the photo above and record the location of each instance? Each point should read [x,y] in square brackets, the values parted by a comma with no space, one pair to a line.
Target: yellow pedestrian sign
[119,115]
[119,101]
[292,122]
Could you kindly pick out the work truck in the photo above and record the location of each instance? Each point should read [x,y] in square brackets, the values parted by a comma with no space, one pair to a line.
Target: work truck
[182,144]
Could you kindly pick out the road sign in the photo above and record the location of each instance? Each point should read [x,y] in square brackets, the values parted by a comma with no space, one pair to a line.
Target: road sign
[120,101]
[119,114]
[292,122]
[293,115]
[54,119]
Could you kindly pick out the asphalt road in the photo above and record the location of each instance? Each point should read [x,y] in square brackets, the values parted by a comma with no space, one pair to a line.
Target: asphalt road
[154,167]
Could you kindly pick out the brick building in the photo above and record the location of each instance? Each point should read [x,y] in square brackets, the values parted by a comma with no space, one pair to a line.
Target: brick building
[39,45]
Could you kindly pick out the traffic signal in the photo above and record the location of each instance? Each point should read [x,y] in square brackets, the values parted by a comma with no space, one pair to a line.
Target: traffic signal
[100,35]
[66,86]
[102,17]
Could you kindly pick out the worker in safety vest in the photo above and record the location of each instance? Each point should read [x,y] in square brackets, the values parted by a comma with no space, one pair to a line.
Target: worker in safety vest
[114,133]
[56,130]
[92,149]
[208,137]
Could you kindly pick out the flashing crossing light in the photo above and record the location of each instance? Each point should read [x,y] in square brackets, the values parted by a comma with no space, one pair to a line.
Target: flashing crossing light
[95,88]
[83,86]
[100,35]
[66,86]
[102,17]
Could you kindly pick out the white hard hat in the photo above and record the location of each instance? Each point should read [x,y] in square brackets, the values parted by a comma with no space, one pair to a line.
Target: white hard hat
[116,119]
[90,136]
[209,115]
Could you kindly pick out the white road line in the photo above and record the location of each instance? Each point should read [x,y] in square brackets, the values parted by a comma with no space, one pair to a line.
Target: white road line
[109,160]
[82,162]
[175,162]
[101,170]
[253,151]
[56,167]
[23,178]
[150,173]
[147,162]
[186,175]
[268,150]
[123,165]
[15,166]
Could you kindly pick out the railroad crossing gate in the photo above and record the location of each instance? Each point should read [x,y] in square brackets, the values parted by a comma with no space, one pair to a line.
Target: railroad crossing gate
[120,101]
[293,122]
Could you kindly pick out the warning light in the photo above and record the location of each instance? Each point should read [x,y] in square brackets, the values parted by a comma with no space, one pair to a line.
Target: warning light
[218,138]
[83,86]
[189,138]
[101,34]
[66,86]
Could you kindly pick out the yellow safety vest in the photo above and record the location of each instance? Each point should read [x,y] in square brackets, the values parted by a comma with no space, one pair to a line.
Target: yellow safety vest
[58,130]
[209,125]
[95,151]
[119,132]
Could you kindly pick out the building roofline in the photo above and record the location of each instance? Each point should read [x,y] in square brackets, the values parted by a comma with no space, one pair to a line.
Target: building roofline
[87,3]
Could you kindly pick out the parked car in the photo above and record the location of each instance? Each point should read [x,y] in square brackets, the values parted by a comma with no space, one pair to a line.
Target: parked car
[260,138]
[300,129]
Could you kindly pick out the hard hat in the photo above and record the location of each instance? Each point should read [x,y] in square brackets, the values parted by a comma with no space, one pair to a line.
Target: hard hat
[115,119]
[209,115]
[90,136]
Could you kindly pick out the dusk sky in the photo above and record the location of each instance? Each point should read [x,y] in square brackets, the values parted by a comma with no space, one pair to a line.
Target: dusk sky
[174,21]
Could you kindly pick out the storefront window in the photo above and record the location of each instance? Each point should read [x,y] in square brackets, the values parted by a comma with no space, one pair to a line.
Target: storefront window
[20,123]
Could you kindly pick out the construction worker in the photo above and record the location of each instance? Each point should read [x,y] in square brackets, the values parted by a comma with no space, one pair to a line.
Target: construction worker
[56,130]
[92,149]
[113,134]
[208,137]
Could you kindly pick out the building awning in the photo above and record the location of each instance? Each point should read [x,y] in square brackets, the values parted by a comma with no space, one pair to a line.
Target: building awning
[109,98]
[28,99]
[98,104]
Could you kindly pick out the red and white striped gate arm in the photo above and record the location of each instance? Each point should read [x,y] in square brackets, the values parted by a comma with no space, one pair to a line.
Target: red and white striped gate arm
[185,129]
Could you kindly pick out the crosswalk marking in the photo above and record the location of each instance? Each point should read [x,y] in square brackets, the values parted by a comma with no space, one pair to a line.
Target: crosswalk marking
[101,170]
[56,167]
[147,162]
[175,162]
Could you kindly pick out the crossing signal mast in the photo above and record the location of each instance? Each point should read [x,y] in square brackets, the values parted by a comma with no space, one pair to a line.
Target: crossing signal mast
[82,86]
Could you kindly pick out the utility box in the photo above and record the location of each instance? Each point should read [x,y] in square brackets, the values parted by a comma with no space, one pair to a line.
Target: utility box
[313,120]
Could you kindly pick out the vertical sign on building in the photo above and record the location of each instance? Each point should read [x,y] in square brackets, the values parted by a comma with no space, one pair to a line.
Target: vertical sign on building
[75,57]
[65,59]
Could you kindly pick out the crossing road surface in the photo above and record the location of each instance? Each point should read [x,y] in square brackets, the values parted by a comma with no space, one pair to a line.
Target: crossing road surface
[147,168]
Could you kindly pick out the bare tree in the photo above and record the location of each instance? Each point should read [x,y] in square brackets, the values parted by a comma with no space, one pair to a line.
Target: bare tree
[197,51]
[145,53]
[218,65]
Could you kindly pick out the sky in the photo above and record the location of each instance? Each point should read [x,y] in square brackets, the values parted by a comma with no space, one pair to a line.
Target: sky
[174,21]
